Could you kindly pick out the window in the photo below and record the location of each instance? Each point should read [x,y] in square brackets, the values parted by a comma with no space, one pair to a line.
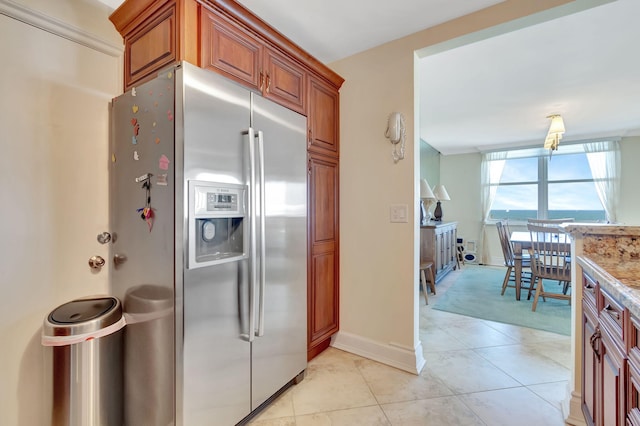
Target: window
[530,183]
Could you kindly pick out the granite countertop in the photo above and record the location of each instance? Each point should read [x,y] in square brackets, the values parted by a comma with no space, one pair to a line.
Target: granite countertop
[619,278]
[577,228]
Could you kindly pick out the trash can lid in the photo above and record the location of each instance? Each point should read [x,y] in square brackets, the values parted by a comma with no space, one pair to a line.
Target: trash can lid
[83,316]
[81,310]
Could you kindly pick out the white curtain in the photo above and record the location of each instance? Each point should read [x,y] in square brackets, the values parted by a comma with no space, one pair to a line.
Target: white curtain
[604,162]
[491,171]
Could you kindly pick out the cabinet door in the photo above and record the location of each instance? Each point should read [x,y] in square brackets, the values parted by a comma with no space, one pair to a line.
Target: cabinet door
[589,365]
[633,389]
[229,50]
[611,390]
[150,47]
[323,253]
[284,81]
[449,243]
[439,250]
[323,118]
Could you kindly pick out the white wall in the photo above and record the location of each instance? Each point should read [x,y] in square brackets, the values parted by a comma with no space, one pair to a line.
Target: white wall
[378,259]
[460,174]
[629,212]
[53,179]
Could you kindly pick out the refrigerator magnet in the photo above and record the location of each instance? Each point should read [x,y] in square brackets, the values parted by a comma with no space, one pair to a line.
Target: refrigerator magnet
[136,157]
[133,92]
[134,108]
[134,140]
[169,115]
[163,163]
[157,141]
[146,212]
[161,180]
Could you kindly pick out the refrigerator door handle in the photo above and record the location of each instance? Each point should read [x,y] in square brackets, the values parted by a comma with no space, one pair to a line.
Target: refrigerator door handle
[262,278]
[253,275]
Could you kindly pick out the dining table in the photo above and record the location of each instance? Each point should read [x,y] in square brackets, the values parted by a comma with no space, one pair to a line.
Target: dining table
[521,242]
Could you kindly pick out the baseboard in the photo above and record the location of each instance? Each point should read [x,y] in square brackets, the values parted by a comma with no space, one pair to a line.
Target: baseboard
[572,410]
[392,354]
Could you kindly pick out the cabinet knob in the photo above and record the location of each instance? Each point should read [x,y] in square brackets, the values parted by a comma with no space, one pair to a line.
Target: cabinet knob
[96,262]
[608,309]
[104,238]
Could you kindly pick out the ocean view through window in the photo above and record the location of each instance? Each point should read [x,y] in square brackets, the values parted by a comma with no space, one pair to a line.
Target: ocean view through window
[530,183]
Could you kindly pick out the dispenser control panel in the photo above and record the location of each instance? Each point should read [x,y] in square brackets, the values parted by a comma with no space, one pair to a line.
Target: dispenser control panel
[215,200]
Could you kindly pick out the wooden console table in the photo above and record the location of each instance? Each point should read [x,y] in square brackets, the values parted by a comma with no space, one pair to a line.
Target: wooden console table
[438,245]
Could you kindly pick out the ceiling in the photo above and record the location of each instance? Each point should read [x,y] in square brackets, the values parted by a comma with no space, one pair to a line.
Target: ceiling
[497,92]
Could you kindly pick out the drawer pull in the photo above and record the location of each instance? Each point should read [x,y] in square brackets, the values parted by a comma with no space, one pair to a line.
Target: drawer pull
[594,341]
[612,312]
[590,288]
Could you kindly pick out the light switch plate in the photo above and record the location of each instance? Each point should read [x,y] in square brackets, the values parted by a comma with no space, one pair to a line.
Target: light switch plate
[399,213]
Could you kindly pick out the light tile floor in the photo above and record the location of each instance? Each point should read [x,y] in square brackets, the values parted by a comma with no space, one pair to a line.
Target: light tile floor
[477,373]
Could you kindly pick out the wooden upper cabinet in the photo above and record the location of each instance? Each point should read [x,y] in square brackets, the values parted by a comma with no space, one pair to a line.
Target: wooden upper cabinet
[323,118]
[236,53]
[223,36]
[151,47]
[285,81]
[230,50]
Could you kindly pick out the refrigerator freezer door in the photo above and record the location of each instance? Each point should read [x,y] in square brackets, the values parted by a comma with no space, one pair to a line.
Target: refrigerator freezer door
[280,353]
[142,265]
[216,363]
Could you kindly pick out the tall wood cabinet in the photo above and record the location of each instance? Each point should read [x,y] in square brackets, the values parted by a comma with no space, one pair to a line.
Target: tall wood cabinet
[605,360]
[438,245]
[224,37]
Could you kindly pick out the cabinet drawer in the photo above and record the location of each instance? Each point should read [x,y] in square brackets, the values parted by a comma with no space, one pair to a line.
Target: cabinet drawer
[589,288]
[612,315]
[633,338]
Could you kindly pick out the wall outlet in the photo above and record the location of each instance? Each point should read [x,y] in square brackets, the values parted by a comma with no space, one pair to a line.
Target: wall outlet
[399,213]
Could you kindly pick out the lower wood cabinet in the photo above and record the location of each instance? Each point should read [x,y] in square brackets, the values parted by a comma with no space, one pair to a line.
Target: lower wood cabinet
[323,297]
[605,378]
[438,245]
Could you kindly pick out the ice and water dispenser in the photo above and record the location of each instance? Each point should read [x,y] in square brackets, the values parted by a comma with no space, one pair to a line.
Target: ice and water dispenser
[217,221]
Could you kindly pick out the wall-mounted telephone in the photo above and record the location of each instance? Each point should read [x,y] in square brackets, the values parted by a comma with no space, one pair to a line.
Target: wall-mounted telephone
[395,133]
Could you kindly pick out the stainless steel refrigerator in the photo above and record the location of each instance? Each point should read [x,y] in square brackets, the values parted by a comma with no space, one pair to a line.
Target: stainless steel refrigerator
[208,220]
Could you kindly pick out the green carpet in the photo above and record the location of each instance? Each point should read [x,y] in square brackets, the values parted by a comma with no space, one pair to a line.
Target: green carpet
[476,293]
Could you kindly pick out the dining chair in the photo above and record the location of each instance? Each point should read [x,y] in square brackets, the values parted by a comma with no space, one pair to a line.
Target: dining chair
[509,261]
[554,223]
[550,260]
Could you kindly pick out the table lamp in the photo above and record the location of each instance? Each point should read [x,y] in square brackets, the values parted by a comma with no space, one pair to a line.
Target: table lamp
[441,195]
[426,194]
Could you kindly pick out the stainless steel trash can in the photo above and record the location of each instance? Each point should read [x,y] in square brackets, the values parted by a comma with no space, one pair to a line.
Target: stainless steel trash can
[85,337]
[149,356]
